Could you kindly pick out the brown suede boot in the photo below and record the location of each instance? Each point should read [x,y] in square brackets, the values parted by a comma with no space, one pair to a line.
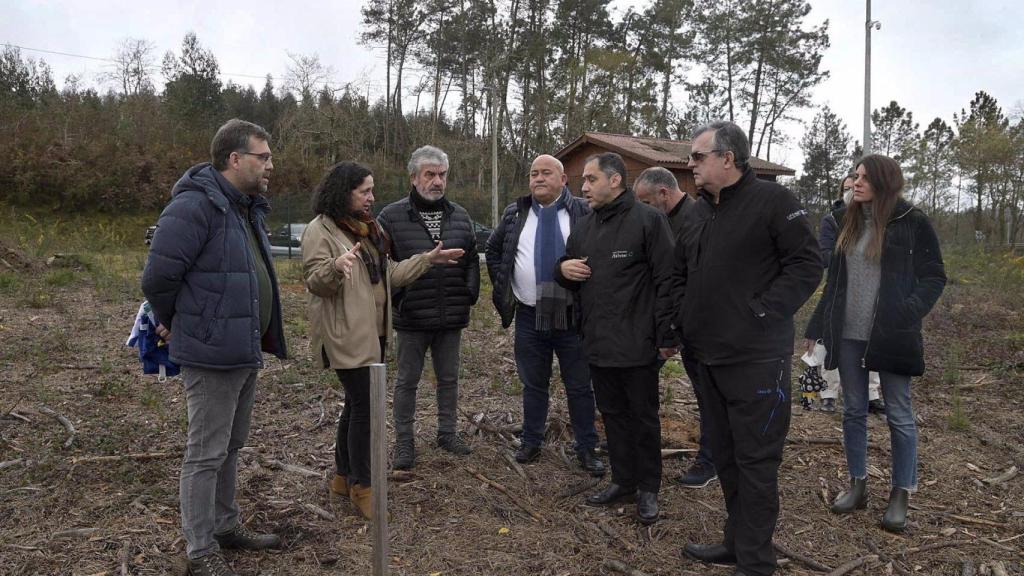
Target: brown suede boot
[339,486]
[362,497]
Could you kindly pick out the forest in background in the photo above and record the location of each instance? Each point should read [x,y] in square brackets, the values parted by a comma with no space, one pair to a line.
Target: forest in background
[544,70]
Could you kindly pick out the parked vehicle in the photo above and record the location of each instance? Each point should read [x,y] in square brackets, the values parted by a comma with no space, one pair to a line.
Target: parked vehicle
[482,233]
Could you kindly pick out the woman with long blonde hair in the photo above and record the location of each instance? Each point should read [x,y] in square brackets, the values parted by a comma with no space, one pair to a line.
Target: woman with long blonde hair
[884,276]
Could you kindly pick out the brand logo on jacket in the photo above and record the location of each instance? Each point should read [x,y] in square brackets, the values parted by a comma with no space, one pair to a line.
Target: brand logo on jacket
[622,254]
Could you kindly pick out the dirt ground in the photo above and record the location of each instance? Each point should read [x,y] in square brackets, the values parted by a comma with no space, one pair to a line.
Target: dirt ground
[65,508]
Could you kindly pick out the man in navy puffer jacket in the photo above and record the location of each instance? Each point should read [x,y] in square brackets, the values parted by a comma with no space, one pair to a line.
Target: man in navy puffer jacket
[210,280]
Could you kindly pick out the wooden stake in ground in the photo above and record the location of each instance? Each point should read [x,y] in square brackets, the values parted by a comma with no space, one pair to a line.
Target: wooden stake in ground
[379,467]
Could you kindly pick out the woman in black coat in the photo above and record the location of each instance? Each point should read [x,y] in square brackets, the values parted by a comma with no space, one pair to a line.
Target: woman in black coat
[884,276]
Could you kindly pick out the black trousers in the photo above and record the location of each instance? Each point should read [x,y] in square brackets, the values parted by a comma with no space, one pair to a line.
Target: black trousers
[749,405]
[628,401]
[352,444]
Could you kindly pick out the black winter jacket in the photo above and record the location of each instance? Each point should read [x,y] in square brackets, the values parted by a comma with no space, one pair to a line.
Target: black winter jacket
[200,277]
[442,297]
[829,233]
[746,264]
[626,304]
[913,278]
[503,245]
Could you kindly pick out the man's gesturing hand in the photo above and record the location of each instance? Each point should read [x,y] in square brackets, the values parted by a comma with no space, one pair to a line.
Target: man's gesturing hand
[575,269]
[439,256]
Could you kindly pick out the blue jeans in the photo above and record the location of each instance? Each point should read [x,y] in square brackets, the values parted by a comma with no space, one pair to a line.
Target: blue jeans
[899,413]
[534,350]
[219,412]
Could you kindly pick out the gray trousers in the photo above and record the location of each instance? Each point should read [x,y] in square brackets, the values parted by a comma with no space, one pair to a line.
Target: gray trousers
[219,410]
[412,350]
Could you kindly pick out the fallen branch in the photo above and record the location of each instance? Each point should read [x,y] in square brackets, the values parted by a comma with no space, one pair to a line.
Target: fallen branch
[1005,476]
[13,406]
[616,566]
[20,547]
[119,457]
[514,465]
[319,420]
[75,533]
[402,475]
[998,569]
[604,527]
[827,442]
[22,417]
[68,426]
[505,491]
[318,511]
[278,465]
[887,559]
[578,488]
[11,463]
[565,459]
[932,546]
[853,565]
[670,452]
[981,521]
[997,545]
[805,560]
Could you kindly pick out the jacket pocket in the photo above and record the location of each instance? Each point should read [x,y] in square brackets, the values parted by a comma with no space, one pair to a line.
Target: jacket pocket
[208,318]
[759,313]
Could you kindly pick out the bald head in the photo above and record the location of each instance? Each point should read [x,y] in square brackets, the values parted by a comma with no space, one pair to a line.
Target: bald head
[658,187]
[547,178]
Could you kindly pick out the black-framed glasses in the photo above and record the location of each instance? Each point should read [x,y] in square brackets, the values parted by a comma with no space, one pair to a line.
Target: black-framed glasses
[264,156]
[698,157]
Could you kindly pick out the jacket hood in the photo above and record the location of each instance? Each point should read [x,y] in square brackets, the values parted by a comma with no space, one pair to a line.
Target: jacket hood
[204,178]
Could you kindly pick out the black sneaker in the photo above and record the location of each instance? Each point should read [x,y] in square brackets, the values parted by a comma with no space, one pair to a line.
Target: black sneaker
[876,406]
[405,456]
[590,462]
[210,565]
[699,475]
[455,444]
[246,539]
[828,405]
[527,453]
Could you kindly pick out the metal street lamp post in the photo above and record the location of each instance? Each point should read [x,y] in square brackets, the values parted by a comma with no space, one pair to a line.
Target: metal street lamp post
[868,25]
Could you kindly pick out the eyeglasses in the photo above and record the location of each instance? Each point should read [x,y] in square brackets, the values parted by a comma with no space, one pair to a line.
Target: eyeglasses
[264,156]
[698,157]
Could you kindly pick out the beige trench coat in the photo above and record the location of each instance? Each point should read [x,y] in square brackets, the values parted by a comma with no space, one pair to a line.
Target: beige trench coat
[342,312]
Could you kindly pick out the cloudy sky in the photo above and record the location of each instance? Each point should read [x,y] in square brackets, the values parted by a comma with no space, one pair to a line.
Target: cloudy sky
[930,55]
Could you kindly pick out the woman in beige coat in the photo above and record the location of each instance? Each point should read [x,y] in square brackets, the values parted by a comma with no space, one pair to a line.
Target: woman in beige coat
[349,275]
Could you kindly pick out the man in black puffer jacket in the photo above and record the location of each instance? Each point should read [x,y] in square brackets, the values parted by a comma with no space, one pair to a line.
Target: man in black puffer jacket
[431,312]
[619,261]
[521,257]
[210,280]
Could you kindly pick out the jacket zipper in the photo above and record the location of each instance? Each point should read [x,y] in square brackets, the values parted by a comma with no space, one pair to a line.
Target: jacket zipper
[832,309]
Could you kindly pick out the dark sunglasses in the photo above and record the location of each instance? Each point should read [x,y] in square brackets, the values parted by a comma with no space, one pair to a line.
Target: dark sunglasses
[698,157]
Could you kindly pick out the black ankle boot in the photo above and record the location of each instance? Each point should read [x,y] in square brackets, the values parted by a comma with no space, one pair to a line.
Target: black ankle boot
[895,518]
[856,498]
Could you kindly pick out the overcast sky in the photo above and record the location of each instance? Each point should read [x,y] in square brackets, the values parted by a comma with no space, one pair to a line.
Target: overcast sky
[930,55]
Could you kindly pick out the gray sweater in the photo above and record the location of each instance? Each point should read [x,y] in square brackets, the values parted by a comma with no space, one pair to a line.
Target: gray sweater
[862,281]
